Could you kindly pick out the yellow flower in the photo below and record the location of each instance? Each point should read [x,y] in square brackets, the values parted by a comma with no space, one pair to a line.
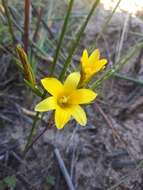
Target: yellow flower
[90,65]
[65,99]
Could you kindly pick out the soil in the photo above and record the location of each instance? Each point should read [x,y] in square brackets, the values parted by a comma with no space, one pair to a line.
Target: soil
[107,153]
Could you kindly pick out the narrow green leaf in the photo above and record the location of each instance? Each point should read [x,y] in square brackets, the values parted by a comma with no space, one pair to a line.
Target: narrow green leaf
[108,20]
[5,4]
[35,89]
[62,35]
[77,39]
[104,27]
[139,82]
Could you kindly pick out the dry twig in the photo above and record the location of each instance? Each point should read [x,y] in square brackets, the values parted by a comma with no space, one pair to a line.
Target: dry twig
[63,169]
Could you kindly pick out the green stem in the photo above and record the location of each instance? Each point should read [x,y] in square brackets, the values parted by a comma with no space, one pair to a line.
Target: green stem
[139,82]
[36,138]
[62,36]
[108,74]
[31,132]
[30,40]
[34,88]
[108,20]
[76,41]
[4,2]
[36,118]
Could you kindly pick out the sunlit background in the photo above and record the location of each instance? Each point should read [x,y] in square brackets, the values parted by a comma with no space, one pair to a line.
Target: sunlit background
[130,6]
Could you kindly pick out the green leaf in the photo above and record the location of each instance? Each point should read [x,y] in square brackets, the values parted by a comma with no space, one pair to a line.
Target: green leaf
[62,35]
[77,39]
[105,25]
[10,181]
[50,180]
[35,88]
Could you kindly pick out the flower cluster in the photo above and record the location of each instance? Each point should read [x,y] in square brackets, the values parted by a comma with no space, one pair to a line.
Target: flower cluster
[66,99]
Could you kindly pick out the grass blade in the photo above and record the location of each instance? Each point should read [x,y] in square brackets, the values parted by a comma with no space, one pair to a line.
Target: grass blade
[5,4]
[62,35]
[136,81]
[108,20]
[26,24]
[77,39]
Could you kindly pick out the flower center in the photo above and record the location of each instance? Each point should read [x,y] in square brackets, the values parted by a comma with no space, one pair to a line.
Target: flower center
[63,101]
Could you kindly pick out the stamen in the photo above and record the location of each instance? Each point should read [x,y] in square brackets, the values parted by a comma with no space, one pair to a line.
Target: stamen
[63,100]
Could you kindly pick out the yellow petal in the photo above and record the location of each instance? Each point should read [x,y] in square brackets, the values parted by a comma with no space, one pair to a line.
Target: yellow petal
[52,85]
[94,56]
[84,58]
[99,65]
[72,81]
[62,116]
[80,116]
[82,96]
[46,105]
